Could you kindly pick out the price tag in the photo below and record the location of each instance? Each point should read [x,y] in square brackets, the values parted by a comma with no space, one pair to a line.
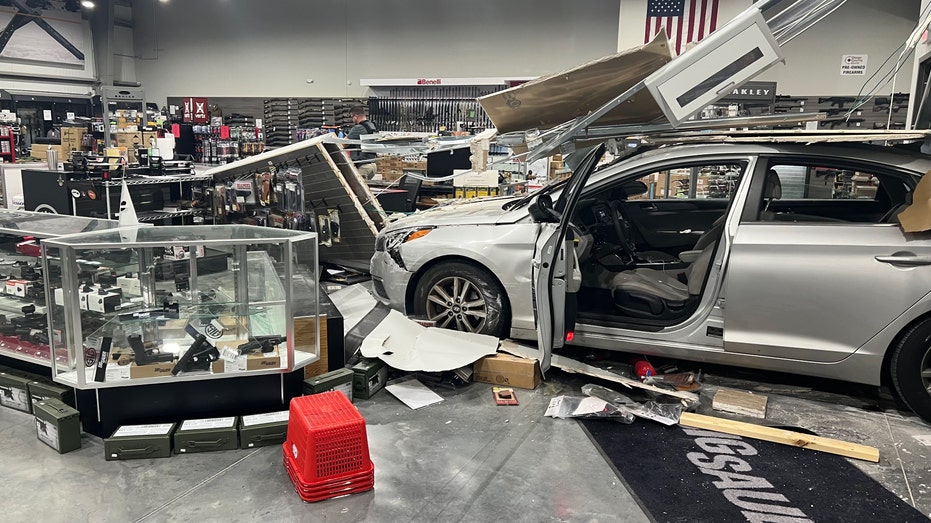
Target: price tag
[229,354]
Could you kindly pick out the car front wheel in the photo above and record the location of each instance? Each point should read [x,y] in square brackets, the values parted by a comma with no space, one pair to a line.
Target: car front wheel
[910,369]
[464,297]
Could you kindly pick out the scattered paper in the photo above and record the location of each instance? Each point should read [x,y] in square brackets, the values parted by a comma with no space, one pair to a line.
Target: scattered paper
[413,393]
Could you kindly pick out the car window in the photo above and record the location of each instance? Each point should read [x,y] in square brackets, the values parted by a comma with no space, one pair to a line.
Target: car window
[804,192]
[693,182]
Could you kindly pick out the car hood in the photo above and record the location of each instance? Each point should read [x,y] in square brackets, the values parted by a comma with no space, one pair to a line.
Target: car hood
[463,212]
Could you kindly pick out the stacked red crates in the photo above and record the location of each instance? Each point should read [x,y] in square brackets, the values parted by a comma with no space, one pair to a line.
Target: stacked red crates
[327,451]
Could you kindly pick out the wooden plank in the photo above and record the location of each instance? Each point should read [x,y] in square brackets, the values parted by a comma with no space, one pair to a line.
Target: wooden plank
[785,437]
[740,402]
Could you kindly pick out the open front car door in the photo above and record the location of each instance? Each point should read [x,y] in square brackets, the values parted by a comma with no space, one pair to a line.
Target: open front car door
[555,271]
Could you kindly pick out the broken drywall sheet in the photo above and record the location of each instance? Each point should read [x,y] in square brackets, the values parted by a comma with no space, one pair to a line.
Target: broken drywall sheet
[571,365]
[406,345]
[353,302]
[917,216]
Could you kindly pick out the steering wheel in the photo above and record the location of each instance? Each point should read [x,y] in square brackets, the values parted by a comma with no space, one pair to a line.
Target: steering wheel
[623,231]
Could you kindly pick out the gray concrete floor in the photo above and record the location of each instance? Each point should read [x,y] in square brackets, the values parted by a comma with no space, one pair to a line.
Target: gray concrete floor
[463,459]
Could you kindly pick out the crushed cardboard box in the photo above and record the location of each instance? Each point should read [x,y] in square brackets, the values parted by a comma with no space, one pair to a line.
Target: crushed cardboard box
[507,370]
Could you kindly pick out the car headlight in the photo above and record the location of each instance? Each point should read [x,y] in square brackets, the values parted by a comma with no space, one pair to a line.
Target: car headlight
[391,242]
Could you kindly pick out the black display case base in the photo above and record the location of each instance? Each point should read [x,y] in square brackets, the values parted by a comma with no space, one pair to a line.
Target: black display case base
[104,410]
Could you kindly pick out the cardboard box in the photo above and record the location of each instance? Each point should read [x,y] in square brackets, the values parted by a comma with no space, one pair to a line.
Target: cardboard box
[245,362]
[39,151]
[507,370]
[139,441]
[152,370]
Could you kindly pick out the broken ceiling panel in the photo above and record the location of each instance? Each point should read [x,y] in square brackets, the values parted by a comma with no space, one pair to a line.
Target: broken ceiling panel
[555,99]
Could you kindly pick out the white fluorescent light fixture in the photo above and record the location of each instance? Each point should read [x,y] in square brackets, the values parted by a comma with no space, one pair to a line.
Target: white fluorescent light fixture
[87,4]
[733,54]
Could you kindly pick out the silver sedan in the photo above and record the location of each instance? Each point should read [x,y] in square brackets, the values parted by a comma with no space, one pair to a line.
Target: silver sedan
[785,257]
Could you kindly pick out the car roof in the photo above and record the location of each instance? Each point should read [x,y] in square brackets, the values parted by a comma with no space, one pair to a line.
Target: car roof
[901,157]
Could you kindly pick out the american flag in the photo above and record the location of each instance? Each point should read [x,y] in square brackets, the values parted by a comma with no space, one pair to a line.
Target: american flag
[684,20]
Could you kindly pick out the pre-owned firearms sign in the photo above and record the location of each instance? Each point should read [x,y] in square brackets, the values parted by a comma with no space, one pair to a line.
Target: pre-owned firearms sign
[853,64]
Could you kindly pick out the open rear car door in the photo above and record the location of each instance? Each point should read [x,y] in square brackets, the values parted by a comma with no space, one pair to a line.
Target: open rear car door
[556,275]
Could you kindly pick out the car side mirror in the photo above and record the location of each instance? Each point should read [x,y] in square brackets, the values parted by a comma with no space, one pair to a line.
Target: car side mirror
[541,210]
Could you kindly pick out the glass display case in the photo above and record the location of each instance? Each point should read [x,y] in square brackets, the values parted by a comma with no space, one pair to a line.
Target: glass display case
[163,304]
[23,323]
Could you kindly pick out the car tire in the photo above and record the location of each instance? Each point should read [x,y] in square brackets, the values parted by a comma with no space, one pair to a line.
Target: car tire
[910,369]
[464,297]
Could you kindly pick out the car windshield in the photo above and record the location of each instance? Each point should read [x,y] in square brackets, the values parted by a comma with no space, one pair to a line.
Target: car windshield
[546,189]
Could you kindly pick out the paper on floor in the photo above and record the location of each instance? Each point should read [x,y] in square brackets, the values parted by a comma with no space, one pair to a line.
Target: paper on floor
[413,393]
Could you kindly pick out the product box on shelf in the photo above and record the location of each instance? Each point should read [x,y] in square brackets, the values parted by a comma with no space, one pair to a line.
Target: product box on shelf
[58,425]
[204,435]
[151,370]
[260,430]
[232,361]
[14,392]
[139,442]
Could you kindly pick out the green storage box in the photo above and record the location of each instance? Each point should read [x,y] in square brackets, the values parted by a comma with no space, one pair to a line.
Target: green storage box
[205,435]
[339,379]
[14,392]
[139,441]
[369,376]
[41,390]
[58,425]
[261,430]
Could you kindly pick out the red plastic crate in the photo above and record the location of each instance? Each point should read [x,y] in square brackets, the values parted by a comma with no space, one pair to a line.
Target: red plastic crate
[326,452]
[330,489]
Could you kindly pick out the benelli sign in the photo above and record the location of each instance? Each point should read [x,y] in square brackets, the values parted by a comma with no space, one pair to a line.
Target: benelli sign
[429,81]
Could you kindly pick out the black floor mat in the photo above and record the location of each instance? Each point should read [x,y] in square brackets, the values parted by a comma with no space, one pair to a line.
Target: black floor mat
[689,475]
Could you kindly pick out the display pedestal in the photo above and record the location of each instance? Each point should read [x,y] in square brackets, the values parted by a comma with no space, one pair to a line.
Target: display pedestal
[104,410]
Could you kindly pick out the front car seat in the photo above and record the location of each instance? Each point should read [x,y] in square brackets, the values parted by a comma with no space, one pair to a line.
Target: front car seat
[649,293]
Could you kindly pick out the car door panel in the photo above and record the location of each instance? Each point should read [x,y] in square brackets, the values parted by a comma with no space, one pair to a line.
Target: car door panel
[554,266]
[671,224]
[817,292]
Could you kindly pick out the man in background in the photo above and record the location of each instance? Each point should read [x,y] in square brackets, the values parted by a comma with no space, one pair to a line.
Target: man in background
[365,162]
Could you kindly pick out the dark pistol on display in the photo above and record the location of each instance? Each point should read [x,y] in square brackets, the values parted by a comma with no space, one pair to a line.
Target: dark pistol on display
[197,357]
[265,344]
[145,356]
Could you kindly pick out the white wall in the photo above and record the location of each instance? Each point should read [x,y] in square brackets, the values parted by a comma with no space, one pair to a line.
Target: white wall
[271,48]
[813,60]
